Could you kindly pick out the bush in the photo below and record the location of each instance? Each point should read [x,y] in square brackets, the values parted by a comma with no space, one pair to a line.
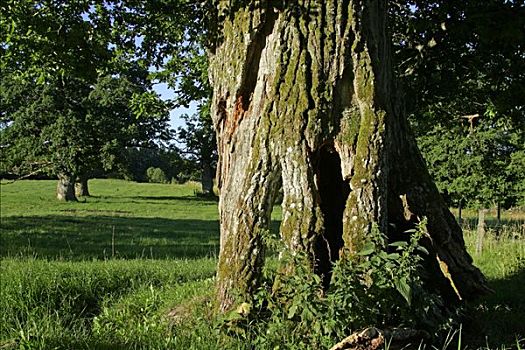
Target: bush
[156,175]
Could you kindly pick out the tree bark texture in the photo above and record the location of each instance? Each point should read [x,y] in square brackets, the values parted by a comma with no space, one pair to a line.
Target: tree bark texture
[304,97]
[81,187]
[66,188]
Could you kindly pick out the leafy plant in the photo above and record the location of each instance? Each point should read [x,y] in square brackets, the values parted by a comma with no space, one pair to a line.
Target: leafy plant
[379,286]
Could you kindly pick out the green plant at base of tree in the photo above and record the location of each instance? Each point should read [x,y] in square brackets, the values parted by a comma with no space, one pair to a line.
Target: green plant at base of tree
[381,286]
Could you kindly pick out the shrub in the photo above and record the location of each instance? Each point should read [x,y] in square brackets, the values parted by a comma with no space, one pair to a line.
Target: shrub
[156,175]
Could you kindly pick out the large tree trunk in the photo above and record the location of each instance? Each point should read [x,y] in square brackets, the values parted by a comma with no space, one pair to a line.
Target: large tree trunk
[66,188]
[81,187]
[303,95]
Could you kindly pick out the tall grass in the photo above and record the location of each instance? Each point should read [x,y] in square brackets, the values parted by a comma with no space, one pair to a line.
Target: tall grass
[55,301]
[497,320]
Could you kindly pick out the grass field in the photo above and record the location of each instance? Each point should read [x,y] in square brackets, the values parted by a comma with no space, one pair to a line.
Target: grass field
[104,273]
[122,219]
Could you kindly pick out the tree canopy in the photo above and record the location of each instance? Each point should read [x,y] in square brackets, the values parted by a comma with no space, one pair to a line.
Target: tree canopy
[462,67]
[72,100]
[445,54]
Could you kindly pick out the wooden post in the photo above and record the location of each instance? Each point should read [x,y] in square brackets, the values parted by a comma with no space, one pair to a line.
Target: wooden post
[480,231]
[460,207]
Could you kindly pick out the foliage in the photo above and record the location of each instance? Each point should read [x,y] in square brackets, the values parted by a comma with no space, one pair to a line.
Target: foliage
[381,286]
[481,167]
[136,161]
[461,65]
[198,144]
[198,137]
[71,102]
[156,175]
[175,46]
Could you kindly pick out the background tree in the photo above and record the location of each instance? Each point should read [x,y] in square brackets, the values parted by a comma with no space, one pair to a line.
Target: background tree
[462,67]
[126,114]
[199,146]
[138,159]
[175,47]
[57,63]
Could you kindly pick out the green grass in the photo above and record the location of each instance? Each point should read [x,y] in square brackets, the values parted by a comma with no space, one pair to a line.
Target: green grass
[498,319]
[48,303]
[106,272]
[122,219]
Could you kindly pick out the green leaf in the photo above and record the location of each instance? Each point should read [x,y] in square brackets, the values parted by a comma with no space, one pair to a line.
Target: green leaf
[404,289]
[423,250]
[398,244]
[368,249]
[291,312]
[394,256]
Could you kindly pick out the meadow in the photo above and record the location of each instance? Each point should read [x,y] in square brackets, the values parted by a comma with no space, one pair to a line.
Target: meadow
[133,265]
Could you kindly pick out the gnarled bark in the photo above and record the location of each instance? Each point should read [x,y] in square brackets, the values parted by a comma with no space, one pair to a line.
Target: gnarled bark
[303,94]
[66,188]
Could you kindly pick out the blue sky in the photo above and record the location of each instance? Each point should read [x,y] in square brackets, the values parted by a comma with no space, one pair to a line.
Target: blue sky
[167,93]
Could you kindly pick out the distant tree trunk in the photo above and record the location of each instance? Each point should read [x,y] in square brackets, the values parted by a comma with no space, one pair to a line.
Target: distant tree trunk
[207,179]
[81,187]
[498,213]
[480,232]
[303,96]
[66,188]
[460,208]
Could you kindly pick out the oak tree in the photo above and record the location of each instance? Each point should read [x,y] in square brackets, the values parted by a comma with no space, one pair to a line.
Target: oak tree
[304,96]
[72,99]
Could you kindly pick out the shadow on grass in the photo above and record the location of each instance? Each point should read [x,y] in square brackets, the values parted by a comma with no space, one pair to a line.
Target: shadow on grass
[200,198]
[101,237]
[499,318]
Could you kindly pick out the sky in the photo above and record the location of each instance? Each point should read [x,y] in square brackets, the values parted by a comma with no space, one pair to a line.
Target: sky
[166,93]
